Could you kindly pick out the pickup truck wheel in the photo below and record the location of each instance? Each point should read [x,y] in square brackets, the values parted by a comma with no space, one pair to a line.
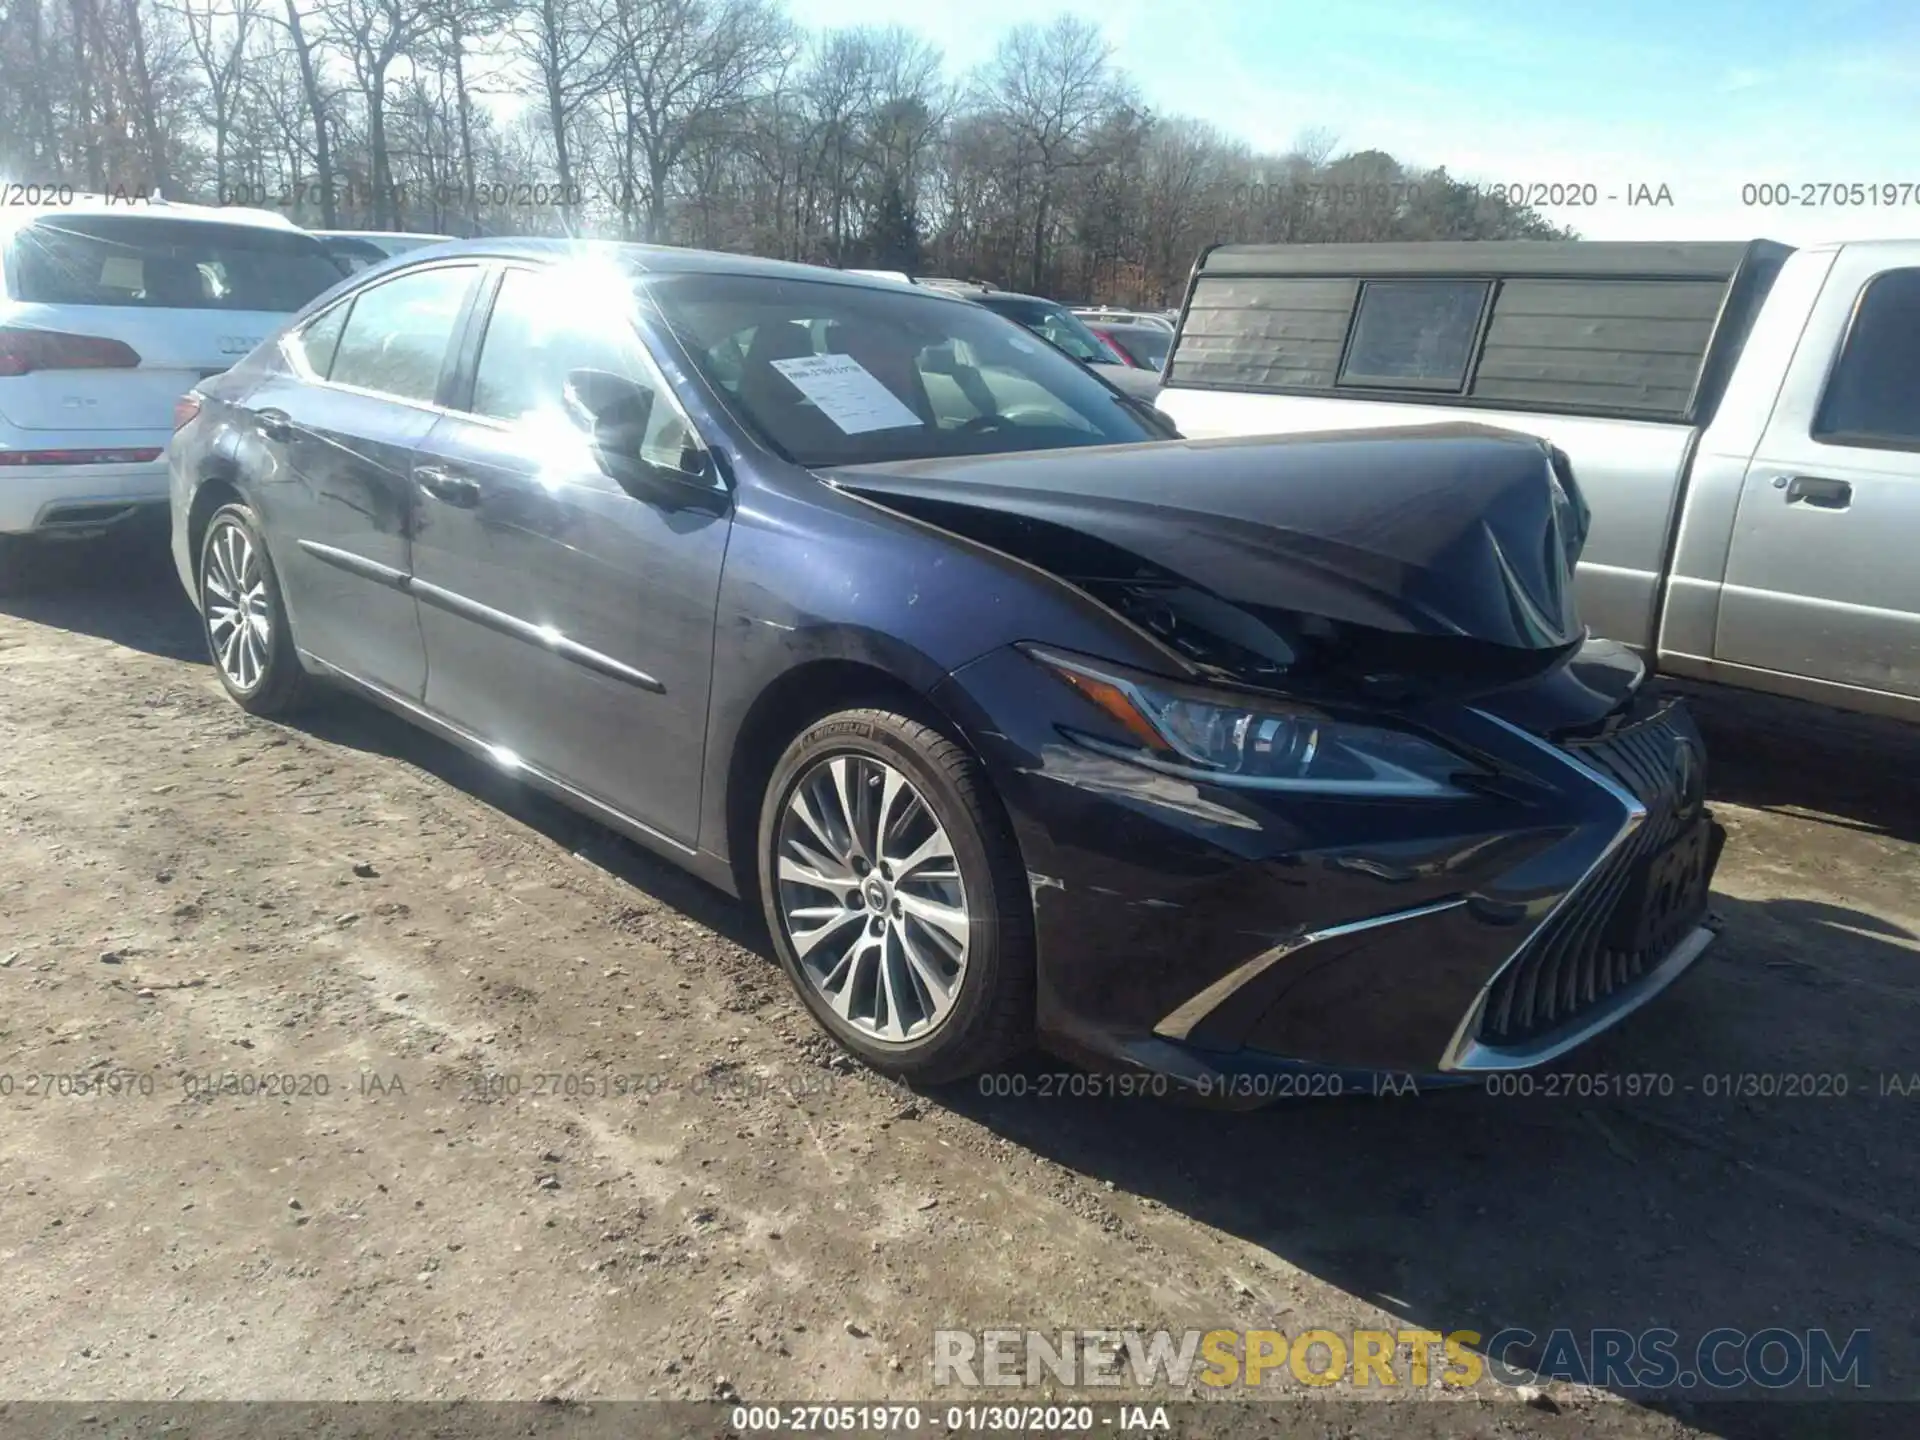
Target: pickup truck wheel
[245,619]
[895,896]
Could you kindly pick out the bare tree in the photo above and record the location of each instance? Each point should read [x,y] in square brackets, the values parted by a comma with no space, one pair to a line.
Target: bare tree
[702,121]
[1315,145]
[30,139]
[565,44]
[1052,88]
[685,67]
[374,35]
[217,33]
[306,50]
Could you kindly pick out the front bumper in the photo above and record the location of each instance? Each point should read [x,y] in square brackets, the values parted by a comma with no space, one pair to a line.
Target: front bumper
[51,501]
[1204,932]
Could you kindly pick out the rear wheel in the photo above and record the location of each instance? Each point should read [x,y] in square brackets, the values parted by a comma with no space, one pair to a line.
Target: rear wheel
[245,619]
[895,896]
[21,567]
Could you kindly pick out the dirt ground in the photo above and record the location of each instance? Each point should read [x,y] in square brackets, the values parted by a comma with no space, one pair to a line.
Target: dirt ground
[468,971]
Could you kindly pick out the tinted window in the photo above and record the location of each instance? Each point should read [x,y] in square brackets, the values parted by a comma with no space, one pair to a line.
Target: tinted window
[1414,332]
[1873,397]
[167,264]
[841,374]
[313,344]
[1619,347]
[398,334]
[1256,332]
[548,323]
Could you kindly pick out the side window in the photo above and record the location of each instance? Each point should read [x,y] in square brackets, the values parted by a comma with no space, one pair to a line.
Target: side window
[397,337]
[1262,333]
[1415,333]
[1873,396]
[1607,346]
[312,346]
[540,331]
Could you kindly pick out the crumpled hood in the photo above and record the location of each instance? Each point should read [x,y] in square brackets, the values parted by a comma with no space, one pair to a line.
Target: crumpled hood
[1383,560]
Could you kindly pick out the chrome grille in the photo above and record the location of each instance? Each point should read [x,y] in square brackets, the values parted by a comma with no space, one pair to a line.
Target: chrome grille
[1576,959]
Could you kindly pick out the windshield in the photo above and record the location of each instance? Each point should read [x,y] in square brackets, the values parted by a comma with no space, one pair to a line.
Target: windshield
[837,374]
[167,264]
[1056,324]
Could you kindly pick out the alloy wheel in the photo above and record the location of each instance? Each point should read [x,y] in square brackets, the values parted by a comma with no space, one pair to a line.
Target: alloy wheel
[239,614]
[872,899]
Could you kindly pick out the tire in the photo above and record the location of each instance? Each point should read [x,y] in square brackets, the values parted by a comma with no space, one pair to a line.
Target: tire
[18,569]
[250,643]
[904,1004]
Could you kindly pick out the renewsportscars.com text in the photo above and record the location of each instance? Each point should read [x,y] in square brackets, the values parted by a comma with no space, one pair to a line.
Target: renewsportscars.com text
[1647,1360]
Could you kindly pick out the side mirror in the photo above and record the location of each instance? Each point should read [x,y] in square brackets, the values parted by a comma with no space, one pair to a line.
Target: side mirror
[618,411]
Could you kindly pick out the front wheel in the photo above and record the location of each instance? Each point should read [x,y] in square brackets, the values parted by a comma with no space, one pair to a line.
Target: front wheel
[245,618]
[896,898]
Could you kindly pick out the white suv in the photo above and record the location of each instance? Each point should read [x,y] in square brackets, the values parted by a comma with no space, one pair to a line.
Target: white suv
[110,313]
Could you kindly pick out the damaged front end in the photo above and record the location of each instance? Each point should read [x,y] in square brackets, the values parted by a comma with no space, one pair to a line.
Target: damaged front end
[1383,808]
[1369,568]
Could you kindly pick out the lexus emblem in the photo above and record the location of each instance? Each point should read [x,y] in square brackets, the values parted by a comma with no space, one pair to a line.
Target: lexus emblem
[1689,776]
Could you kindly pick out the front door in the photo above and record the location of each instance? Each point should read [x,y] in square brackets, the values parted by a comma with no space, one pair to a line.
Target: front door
[568,623]
[1821,578]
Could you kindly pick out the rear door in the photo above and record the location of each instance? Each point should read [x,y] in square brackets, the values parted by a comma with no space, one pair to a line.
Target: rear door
[188,298]
[568,623]
[1821,579]
[329,462]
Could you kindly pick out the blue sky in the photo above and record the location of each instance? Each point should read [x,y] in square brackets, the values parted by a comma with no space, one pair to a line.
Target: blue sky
[1700,95]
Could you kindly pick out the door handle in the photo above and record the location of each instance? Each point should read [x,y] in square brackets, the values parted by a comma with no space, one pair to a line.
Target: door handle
[276,425]
[447,487]
[1814,490]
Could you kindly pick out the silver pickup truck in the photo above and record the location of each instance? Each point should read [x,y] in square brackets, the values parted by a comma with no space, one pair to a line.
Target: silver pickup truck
[1744,420]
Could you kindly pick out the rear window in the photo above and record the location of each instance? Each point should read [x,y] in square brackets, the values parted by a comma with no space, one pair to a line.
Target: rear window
[1414,332]
[165,264]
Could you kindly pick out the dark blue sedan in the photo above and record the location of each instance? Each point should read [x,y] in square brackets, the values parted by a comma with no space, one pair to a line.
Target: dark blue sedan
[1019,716]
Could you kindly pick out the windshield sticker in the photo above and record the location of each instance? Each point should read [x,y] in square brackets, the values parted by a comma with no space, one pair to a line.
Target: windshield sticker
[847,393]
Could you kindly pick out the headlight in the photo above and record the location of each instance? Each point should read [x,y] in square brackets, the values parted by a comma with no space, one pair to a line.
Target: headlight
[1234,741]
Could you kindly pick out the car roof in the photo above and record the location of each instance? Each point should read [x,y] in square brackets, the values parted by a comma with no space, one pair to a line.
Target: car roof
[102,205]
[1693,259]
[376,236]
[652,260]
[1016,295]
